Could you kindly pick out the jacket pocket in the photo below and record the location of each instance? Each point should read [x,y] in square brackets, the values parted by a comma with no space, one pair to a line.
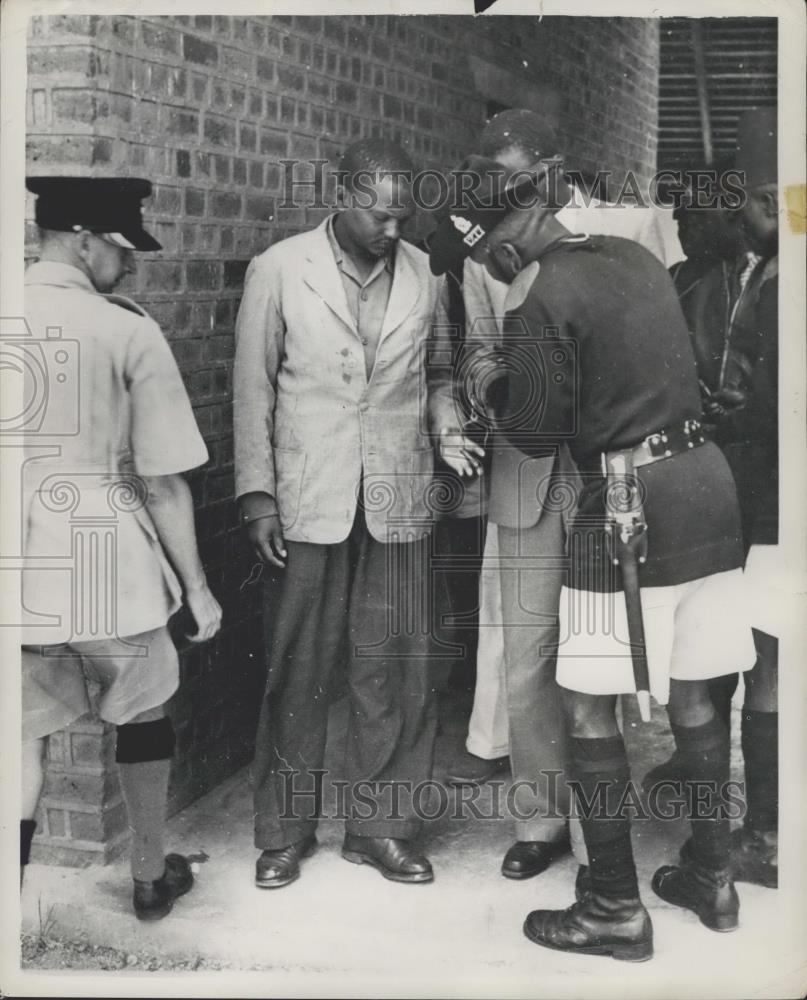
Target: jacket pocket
[289,471]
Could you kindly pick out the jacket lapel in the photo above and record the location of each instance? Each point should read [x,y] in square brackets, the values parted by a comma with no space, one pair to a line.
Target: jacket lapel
[322,276]
[404,293]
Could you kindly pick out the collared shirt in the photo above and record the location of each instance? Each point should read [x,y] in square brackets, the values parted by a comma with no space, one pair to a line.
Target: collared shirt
[367,298]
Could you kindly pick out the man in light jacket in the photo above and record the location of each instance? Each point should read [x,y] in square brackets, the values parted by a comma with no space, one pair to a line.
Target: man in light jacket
[333,462]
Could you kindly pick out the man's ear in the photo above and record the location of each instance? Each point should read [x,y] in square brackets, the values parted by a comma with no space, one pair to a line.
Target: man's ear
[770,204]
[342,197]
[82,241]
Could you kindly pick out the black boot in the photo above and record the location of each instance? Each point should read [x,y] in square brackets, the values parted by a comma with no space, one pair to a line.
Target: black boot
[596,925]
[155,900]
[755,857]
[608,917]
[708,893]
[582,883]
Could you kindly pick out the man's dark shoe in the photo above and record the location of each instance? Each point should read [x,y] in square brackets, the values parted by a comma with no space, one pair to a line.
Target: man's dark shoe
[527,858]
[154,900]
[596,925]
[708,893]
[274,869]
[755,857]
[396,859]
[663,775]
[472,770]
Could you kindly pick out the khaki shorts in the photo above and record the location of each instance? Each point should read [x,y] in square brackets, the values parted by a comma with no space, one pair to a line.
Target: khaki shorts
[693,631]
[137,673]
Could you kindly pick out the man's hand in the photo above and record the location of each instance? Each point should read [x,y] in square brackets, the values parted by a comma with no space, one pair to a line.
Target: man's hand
[459,452]
[266,537]
[206,611]
[720,404]
[259,516]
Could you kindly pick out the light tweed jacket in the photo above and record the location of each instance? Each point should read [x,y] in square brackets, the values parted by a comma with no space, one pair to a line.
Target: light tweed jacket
[310,427]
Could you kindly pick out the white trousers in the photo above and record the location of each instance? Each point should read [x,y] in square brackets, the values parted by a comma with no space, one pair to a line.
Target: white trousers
[488,735]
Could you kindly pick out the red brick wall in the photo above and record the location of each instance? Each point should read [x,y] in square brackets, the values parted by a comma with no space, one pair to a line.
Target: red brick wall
[206,107]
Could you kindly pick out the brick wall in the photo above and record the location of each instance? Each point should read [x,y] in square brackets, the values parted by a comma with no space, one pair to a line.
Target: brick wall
[206,107]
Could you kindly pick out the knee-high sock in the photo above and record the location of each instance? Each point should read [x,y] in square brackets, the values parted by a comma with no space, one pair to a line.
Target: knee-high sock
[145,790]
[760,742]
[721,691]
[600,769]
[704,755]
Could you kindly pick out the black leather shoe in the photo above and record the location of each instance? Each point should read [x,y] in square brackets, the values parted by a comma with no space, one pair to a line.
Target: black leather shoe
[596,925]
[154,900]
[274,869]
[396,859]
[663,774]
[527,858]
[708,893]
[473,770]
[755,857]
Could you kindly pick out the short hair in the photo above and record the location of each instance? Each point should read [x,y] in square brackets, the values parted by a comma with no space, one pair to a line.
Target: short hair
[519,127]
[374,156]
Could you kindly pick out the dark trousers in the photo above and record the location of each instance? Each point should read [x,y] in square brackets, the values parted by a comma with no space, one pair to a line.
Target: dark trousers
[368,604]
[459,544]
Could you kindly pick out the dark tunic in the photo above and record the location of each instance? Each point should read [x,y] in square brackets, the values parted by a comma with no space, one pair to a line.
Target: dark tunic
[611,363]
[735,338]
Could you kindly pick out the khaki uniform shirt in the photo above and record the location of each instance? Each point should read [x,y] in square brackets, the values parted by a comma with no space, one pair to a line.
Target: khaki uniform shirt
[111,407]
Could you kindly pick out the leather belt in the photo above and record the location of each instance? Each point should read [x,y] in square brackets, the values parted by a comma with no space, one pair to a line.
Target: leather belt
[660,445]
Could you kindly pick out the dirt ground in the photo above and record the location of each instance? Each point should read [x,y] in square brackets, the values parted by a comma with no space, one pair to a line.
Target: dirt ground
[40,952]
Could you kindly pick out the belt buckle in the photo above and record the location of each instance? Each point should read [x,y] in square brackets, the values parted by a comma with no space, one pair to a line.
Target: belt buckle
[658,445]
[693,432]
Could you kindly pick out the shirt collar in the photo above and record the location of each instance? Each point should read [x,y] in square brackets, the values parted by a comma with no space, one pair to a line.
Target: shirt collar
[51,272]
[341,257]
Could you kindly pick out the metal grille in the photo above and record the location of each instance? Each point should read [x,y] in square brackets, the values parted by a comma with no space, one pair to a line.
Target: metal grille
[712,69]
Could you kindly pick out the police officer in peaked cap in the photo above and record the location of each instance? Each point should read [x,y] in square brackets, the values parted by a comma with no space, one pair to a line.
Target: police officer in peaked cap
[116,423]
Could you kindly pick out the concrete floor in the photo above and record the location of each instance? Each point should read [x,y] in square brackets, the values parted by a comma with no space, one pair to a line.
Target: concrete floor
[343,930]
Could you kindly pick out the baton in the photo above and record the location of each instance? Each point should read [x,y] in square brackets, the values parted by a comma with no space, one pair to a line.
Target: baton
[629,565]
[627,532]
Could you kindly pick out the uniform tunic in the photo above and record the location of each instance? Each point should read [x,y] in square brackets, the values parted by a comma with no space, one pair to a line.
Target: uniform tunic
[605,361]
[616,366]
[116,408]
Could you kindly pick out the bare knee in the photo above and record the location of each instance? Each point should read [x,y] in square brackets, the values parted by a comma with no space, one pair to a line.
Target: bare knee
[690,703]
[590,716]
